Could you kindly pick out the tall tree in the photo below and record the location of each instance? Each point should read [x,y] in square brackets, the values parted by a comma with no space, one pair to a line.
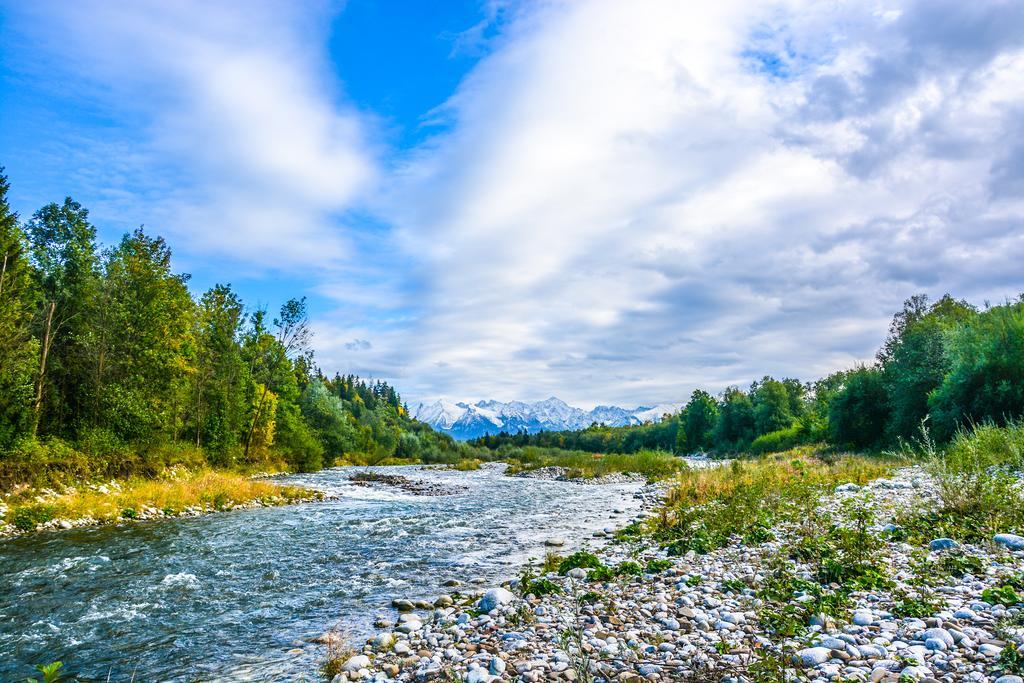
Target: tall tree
[18,348]
[141,388]
[914,360]
[63,246]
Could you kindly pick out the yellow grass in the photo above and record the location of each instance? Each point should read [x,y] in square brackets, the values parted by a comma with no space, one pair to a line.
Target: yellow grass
[203,489]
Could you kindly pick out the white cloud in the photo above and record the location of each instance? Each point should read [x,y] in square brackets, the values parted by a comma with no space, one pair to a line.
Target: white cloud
[637,199]
[236,113]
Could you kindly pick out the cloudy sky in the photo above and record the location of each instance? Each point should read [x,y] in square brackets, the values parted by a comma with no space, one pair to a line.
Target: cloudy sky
[611,202]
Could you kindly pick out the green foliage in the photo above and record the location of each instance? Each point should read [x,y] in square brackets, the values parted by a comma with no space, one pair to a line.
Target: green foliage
[858,413]
[779,440]
[658,566]
[629,568]
[1011,660]
[51,673]
[107,362]
[581,559]
[986,366]
[918,606]
[1001,595]
[29,517]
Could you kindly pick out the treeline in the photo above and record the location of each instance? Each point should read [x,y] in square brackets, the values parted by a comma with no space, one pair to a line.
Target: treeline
[943,366]
[105,355]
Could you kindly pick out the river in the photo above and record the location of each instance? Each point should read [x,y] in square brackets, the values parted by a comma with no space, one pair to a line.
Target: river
[238,596]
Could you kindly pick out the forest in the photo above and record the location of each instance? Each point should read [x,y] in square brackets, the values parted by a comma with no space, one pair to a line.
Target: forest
[945,366]
[110,367]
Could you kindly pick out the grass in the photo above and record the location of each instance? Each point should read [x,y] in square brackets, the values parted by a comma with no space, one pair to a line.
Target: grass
[705,507]
[978,487]
[172,493]
[579,464]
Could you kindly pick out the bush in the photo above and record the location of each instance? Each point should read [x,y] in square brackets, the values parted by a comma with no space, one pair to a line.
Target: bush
[27,518]
[779,440]
[580,559]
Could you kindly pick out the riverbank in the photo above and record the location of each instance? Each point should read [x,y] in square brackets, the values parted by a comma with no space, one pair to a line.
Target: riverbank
[830,578]
[178,492]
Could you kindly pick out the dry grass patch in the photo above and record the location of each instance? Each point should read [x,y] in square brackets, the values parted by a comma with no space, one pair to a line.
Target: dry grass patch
[180,490]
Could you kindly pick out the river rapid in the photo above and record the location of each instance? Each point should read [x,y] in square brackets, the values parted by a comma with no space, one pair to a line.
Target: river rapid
[238,596]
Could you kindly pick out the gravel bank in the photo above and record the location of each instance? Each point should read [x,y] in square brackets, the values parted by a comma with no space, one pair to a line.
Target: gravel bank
[698,619]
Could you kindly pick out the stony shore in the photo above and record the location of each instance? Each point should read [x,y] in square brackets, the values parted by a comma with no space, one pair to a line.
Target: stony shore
[697,619]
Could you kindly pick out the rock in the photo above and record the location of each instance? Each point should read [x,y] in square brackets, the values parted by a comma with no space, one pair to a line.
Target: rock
[847,488]
[1010,679]
[938,634]
[863,618]
[384,640]
[990,650]
[943,544]
[577,574]
[478,675]
[444,601]
[497,666]
[813,656]
[1011,541]
[555,542]
[403,605]
[495,598]
[356,663]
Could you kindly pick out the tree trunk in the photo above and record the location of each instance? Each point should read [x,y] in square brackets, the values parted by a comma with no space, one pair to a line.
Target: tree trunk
[255,419]
[37,406]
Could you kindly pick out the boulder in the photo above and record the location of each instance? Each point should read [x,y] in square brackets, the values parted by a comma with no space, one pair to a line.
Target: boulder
[813,656]
[1011,541]
[356,663]
[943,544]
[494,598]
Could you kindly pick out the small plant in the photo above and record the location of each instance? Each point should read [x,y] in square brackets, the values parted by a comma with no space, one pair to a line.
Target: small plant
[1001,595]
[694,581]
[919,607]
[629,568]
[581,559]
[29,517]
[337,654]
[129,513]
[529,584]
[601,573]
[658,566]
[1011,660]
[733,586]
[51,673]
[551,563]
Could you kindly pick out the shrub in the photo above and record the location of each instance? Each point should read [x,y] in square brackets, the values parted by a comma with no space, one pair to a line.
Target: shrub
[779,440]
[28,517]
[580,559]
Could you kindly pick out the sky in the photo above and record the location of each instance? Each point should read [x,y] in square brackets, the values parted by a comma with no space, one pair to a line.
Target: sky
[611,202]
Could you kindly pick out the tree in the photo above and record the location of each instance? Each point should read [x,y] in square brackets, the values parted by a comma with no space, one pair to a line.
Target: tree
[18,348]
[859,410]
[735,428]
[141,376]
[63,244]
[698,420]
[914,360]
[272,360]
[772,406]
[220,379]
[985,382]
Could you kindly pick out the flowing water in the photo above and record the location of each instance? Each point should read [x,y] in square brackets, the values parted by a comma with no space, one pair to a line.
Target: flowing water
[239,595]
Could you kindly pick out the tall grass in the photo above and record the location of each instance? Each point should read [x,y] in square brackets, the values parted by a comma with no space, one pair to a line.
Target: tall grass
[979,488]
[580,464]
[205,489]
[747,498]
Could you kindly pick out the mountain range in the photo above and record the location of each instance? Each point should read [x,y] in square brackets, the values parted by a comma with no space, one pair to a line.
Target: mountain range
[470,420]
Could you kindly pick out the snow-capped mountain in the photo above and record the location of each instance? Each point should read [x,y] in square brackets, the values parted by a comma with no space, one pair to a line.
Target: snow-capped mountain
[470,420]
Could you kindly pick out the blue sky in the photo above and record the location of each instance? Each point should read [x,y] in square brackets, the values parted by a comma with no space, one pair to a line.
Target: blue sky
[605,201]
